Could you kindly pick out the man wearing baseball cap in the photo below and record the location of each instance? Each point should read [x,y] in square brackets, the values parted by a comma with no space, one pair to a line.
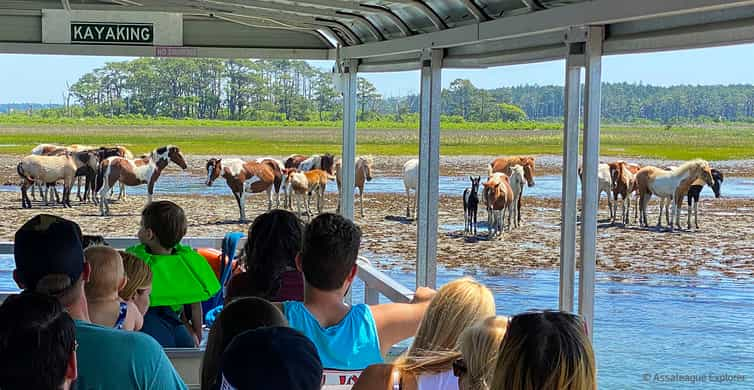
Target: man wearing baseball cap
[50,260]
[276,357]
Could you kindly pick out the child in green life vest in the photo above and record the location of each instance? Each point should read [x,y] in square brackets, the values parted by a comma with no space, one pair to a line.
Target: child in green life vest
[180,276]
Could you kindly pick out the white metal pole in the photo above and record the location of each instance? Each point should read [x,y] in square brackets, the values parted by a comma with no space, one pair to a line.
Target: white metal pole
[349,138]
[574,62]
[589,194]
[429,168]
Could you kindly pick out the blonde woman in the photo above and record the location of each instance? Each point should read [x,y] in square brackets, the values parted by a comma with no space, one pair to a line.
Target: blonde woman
[479,346]
[546,350]
[139,283]
[427,365]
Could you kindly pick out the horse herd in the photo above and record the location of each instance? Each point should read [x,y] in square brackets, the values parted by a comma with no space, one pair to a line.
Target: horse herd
[300,177]
[618,179]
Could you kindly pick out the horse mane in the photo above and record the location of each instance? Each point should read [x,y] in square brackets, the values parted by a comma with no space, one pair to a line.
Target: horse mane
[367,159]
[691,164]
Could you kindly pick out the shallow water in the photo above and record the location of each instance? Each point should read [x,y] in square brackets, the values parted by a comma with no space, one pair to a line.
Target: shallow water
[644,325]
[546,186]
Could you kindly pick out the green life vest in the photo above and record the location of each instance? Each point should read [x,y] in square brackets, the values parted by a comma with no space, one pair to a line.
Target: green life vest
[182,278]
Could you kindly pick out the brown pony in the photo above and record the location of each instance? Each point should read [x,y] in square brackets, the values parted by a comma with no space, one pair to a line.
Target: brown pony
[498,196]
[504,164]
[302,183]
[135,172]
[363,175]
[245,176]
[622,183]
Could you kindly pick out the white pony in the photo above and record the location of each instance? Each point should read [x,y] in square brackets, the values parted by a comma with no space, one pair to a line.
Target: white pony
[517,182]
[604,184]
[411,182]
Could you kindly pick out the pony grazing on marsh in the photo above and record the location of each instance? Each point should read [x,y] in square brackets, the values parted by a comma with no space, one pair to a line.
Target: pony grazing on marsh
[656,181]
[246,176]
[363,175]
[304,184]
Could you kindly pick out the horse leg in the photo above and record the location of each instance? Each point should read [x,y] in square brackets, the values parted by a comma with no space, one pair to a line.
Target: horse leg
[361,201]
[269,198]
[696,214]
[518,207]
[408,203]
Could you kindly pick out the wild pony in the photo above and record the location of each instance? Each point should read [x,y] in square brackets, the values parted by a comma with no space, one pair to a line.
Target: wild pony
[693,189]
[604,184]
[656,181]
[278,169]
[135,172]
[498,196]
[325,162]
[304,184]
[49,169]
[471,205]
[411,182]
[363,175]
[503,164]
[517,181]
[622,183]
[245,176]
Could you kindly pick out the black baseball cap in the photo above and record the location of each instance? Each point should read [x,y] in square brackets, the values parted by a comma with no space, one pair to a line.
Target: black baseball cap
[46,245]
[276,357]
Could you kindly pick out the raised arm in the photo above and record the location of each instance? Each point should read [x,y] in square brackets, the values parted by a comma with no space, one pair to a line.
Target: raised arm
[398,321]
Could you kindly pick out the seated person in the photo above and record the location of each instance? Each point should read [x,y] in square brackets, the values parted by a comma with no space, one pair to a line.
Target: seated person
[427,364]
[346,337]
[267,358]
[106,280]
[273,242]
[50,260]
[240,315]
[479,346]
[547,350]
[38,343]
[139,283]
[180,276]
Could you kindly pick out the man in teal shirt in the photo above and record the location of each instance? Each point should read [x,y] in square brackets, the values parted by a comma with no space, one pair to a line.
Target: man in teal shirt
[50,260]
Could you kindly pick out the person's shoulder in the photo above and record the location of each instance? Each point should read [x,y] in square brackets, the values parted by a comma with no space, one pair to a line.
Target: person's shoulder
[127,340]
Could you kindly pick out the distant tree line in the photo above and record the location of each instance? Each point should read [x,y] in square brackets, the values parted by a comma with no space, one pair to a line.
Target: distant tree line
[294,90]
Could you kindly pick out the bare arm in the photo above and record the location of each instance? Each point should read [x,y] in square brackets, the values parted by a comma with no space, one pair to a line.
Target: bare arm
[399,321]
[196,320]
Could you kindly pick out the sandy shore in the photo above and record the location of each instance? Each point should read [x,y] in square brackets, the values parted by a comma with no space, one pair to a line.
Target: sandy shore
[722,247]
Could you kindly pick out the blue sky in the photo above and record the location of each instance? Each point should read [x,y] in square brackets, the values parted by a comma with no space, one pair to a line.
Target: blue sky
[42,79]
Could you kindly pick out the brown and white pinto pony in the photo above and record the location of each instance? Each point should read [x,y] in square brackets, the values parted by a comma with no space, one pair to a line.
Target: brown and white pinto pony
[246,176]
[498,196]
[504,164]
[302,184]
[135,172]
[657,181]
[363,175]
[325,162]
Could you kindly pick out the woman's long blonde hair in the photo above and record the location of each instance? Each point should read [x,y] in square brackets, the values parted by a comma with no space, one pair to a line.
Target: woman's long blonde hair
[479,345]
[138,272]
[457,306]
[546,350]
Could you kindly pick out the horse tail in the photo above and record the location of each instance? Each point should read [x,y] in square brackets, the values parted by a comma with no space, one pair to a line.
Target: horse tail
[490,170]
[20,170]
[100,181]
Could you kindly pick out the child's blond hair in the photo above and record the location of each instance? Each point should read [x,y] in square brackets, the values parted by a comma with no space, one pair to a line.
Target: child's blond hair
[138,273]
[107,272]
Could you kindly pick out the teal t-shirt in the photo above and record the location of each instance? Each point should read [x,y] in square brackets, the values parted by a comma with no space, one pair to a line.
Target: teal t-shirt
[111,359]
[351,344]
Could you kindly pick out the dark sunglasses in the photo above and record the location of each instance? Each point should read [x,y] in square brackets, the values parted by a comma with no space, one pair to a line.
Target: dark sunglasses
[459,367]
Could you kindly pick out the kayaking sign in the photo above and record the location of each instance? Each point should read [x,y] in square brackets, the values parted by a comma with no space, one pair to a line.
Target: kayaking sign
[112,33]
[131,28]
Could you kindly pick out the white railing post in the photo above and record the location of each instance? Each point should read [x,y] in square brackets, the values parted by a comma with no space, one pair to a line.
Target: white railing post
[574,39]
[429,167]
[589,194]
[348,154]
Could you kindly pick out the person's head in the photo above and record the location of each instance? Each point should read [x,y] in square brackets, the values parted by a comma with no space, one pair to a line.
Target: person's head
[479,346]
[50,259]
[239,316]
[547,350]
[271,358]
[457,306]
[163,225]
[139,281]
[273,242]
[107,277]
[329,252]
[38,341]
